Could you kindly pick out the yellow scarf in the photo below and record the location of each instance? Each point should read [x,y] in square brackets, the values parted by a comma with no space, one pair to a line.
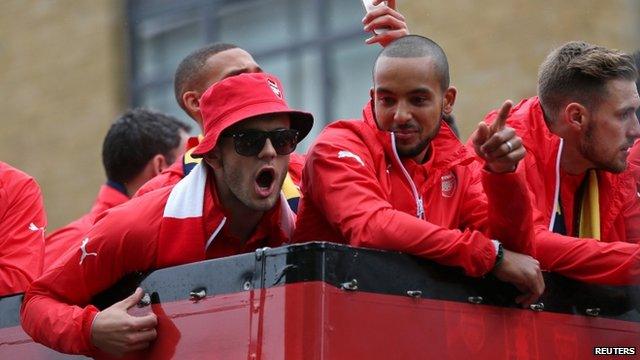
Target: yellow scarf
[590,209]
[289,189]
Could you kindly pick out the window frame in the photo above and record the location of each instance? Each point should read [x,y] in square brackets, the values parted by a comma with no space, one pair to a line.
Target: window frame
[138,11]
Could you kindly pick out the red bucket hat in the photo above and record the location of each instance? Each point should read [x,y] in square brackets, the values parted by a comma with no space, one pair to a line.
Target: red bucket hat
[240,97]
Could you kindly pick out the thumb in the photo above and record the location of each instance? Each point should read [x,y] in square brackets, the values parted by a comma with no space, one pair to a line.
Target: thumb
[481,135]
[132,300]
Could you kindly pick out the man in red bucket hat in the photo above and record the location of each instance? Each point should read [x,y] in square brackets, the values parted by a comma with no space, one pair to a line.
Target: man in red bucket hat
[230,203]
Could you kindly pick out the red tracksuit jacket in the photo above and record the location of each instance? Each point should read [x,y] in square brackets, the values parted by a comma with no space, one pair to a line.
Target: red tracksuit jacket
[357,191]
[22,225]
[68,237]
[170,226]
[615,260]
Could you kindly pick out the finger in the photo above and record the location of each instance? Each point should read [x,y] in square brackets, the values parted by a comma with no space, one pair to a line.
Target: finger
[144,322]
[479,137]
[503,114]
[130,301]
[522,298]
[481,134]
[385,22]
[498,139]
[505,148]
[525,300]
[388,15]
[145,336]
[390,3]
[138,346]
[511,158]
[507,163]
[382,11]
[386,37]
[535,295]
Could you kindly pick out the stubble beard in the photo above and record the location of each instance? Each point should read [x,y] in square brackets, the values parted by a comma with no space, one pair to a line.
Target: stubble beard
[421,146]
[590,152]
[245,195]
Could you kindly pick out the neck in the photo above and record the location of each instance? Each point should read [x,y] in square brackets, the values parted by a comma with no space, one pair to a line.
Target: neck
[118,186]
[571,161]
[242,220]
[133,185]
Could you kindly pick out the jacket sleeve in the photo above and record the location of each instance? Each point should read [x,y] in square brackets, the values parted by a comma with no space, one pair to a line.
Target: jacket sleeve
[347,191]
[510,210]
[632,209]
[499,205]
[589,260]
[586,259]
[56,310]
[22,227]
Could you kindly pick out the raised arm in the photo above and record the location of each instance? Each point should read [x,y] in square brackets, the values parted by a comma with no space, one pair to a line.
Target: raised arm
[509,209]
[509,213]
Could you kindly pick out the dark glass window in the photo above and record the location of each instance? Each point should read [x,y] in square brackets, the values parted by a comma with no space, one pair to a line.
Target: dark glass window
[316,47]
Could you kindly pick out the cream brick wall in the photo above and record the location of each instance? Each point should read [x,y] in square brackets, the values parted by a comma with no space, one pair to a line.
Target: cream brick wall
[61,84]
[495,46]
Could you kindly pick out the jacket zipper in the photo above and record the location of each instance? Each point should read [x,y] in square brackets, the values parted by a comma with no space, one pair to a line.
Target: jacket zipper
[215,233]
[416,196]
[556,193]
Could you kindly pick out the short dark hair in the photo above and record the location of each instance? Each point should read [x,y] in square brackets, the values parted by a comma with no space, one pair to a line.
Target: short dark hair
[579,71]
[136,137]
[416,46]
[191,69]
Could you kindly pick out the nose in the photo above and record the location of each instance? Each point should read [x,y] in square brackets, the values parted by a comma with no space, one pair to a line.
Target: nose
[268,152]
[634,132]
[401,115]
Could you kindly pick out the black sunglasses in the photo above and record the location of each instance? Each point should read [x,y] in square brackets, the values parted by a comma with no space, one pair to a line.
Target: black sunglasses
[250,142]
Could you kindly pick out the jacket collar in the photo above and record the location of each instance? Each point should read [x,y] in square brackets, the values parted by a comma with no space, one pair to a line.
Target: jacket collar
[527,118]
[108,197]
[181,238]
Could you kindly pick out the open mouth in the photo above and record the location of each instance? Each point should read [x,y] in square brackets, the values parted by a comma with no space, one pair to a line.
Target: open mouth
[265,178]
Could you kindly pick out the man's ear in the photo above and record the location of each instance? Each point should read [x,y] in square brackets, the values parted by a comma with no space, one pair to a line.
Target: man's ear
[157,164]
[575,116]
[449,100]
[213,158]
[191,101]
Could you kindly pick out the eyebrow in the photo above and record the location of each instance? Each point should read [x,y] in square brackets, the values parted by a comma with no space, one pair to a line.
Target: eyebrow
[419,90]
[627,109]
